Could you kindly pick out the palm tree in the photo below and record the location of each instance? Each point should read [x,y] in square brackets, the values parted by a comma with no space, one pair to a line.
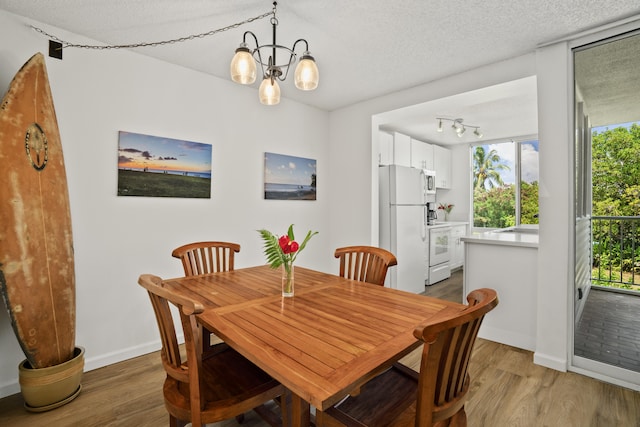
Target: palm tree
[486,169]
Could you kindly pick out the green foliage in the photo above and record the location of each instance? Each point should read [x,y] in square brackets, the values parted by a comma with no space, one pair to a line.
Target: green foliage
[273,252]
[149,184]
[615,171]
[616,192]
[529,202]
[493,202]
[494,208]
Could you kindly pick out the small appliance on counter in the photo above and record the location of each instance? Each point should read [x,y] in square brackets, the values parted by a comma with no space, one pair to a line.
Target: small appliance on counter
[431,213]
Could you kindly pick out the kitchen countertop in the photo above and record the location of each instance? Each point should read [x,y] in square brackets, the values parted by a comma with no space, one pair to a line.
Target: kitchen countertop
[445,224]
[504,238]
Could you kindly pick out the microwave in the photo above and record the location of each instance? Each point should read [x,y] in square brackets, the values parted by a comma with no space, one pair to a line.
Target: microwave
[429,182]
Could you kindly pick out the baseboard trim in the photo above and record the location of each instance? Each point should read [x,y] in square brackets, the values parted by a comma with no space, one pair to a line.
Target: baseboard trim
[9,388]
[118,356]
[504,336]
[551,362]
[12,387]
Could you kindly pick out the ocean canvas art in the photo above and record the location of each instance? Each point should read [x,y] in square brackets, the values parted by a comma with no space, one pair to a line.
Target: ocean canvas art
[289,177]
[155,166]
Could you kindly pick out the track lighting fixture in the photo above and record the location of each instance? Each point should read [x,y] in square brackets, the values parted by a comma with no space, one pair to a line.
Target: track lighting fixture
[459,127]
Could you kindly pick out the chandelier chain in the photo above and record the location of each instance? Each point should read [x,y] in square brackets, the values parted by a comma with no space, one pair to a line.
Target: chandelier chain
[66,44]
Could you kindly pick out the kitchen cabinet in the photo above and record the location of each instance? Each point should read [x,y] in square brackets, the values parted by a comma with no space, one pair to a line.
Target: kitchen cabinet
[458,231]
[421,155]
[385,149]
[401,149]
[442,166]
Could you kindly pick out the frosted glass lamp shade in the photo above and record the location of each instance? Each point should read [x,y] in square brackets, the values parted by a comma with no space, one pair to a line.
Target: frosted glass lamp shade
[306,75]
[243,66]
[269,91]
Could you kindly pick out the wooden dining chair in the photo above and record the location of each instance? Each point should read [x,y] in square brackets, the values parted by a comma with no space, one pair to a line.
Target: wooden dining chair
[365,263]
[433,397]
[210,388]
[206,257]
[203,258]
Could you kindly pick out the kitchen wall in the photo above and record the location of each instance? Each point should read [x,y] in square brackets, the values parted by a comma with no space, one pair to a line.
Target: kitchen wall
[96,94]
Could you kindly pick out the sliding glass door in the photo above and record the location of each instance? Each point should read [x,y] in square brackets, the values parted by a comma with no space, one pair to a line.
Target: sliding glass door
[607,208]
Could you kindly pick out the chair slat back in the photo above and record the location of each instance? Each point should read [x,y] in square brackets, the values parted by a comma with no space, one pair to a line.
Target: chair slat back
[365,263]
[206,257]
[160,298]
[444,380]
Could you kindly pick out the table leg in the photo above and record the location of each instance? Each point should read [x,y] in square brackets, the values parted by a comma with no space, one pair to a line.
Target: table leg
[295,411]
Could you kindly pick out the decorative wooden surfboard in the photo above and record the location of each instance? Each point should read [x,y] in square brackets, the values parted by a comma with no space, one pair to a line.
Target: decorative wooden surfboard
[37,274]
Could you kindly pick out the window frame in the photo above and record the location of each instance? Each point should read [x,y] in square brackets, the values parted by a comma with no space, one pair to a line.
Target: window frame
[517,144]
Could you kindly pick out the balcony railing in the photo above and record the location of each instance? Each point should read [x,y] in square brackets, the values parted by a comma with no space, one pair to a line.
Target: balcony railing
[616,251]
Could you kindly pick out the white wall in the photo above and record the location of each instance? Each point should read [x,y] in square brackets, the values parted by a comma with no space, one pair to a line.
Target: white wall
[555,197]
[354,192]
[96,94]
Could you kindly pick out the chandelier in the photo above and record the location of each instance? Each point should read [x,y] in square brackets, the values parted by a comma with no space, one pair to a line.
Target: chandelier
[244,65]
[459,127]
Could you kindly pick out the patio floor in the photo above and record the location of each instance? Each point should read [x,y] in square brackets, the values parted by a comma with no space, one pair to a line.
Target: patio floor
[609,329]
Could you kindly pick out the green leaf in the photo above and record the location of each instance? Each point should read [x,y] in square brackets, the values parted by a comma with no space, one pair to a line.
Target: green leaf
[275,257]
[273,253]
[310,234]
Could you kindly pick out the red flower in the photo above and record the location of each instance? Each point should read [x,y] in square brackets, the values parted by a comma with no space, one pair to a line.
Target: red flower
[287,245]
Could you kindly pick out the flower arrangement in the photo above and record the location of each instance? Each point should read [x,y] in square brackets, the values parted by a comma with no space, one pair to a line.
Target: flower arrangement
[283,251]
[446,207]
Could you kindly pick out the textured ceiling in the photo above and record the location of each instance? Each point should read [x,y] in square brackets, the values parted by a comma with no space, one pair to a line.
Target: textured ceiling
[364,48]
[368,48]
[608,76]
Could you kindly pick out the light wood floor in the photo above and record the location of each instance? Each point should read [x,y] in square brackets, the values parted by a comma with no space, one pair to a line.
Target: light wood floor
[507,390]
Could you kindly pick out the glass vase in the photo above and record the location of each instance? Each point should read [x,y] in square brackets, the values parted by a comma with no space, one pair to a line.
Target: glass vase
[287,280]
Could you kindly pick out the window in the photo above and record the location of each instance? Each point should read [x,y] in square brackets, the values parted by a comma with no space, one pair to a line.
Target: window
[499,199]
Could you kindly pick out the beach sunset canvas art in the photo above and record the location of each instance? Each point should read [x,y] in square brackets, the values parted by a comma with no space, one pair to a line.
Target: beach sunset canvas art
[289,177]
[154,166]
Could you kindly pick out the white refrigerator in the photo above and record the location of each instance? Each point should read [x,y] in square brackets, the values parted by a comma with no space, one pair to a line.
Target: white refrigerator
[404,194]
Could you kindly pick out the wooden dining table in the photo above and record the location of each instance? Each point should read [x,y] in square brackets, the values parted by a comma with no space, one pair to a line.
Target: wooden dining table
[325,342]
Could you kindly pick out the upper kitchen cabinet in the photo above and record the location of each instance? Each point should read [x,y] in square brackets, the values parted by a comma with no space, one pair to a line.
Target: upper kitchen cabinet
[401,149]
[442,166]
[421,155]
[395,149]
[385,150]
